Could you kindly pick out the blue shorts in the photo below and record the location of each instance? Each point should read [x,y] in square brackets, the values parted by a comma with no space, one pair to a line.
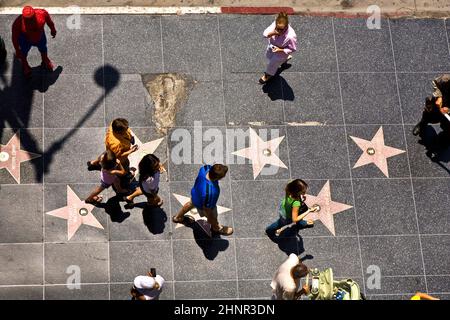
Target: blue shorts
[25,45]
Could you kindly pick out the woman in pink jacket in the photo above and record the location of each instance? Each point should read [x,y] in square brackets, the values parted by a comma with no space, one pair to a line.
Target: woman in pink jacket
[282,42]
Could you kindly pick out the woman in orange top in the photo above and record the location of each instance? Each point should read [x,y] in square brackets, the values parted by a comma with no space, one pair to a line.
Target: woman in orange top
[120,141]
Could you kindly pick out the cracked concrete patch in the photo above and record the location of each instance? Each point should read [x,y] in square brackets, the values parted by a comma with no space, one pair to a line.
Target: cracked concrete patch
[168,92]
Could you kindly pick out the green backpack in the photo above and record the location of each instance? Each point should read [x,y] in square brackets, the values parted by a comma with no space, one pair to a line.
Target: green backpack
[324,287]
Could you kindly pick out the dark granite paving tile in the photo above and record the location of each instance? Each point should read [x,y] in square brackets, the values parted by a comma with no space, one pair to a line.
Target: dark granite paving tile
[393,137]
[31,141]
[315,47]
[432,203]
[312,98]
[318,152]
[206,290]
[204,259]
[340,254]
[438,283]
[129,99]
[414,88]
[256,206]
[21,293]
[394,256]
[397,285]
[194,231]
[70,91]
[21,212]
[63,261]
[132,44]
[241,168]
[85,292]
[130,259]
[55,196]
[362,49]
[426,156]
[191,44]
[77,50]
[385,207]
[370,98]
[21,100]
[21,264]
[420,45]
[121,291]
[260,258]
[63,161]
[204,103]
[255,289]
[247,102]
[435,252]
[247,53]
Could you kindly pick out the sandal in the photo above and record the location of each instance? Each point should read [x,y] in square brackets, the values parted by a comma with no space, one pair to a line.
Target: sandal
[95,200]
[224,231]
[183,221]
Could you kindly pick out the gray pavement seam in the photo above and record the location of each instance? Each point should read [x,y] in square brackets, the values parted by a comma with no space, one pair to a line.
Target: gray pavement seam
[348,157]
[407,155]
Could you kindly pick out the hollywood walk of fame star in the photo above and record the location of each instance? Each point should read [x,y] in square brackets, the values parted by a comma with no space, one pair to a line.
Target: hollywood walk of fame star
[144,149]
[261,153]
[375,151]
[328,207]
[77,212]
[201,221]
[11,156]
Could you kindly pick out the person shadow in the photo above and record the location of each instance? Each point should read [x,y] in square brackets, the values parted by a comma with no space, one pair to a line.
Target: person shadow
[154,218]
[278,88]
[437,146]
[211,246]
[113,209]
[289,241]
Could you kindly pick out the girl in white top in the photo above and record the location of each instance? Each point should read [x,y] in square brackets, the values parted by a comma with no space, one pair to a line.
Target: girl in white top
[150,169]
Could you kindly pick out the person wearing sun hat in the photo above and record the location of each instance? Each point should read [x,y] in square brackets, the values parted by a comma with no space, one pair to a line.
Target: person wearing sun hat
[147,287]
[28,31]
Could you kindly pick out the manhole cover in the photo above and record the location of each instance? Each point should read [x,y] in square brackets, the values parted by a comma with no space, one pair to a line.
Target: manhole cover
[370,151]
[83,212]
[4,156]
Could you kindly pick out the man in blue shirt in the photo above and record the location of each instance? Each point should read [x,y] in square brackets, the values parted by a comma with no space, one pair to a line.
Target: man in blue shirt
[204,196]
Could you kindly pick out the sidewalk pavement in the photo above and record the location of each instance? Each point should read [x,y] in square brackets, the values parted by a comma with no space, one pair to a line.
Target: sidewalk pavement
[340,8]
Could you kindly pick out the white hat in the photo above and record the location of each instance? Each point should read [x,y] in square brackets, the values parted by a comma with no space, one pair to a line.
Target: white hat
[144,282]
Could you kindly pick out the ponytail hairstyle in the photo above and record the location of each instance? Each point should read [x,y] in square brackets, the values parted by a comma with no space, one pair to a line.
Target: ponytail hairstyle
[148,166]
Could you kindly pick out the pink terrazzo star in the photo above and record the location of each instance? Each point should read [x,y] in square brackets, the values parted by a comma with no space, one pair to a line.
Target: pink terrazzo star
[375,151]
[77,212]
[11,156]
[328,207]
